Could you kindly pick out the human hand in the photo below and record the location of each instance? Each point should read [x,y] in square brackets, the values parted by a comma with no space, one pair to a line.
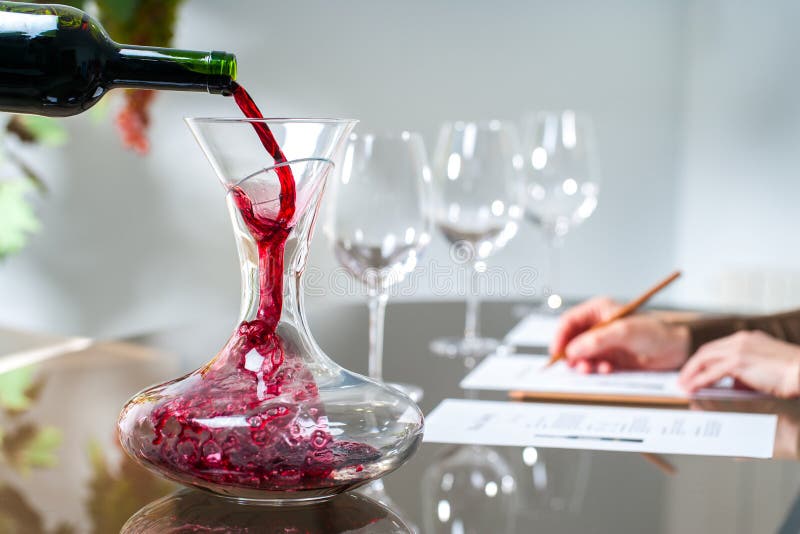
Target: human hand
[635,342]
[755,359]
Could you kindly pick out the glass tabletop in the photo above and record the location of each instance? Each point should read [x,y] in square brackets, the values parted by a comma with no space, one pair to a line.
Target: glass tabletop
[61,469]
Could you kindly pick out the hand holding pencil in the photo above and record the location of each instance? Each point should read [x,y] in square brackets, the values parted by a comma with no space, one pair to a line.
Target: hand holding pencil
[600,335]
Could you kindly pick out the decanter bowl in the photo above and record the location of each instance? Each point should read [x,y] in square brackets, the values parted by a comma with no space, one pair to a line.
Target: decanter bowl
[276,449]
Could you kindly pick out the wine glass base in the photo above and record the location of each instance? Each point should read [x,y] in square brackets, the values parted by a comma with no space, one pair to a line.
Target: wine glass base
[553,305]
[415,393]
[474,348]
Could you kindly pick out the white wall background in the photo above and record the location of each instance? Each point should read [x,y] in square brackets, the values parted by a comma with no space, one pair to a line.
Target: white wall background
[739,187]
[694,106]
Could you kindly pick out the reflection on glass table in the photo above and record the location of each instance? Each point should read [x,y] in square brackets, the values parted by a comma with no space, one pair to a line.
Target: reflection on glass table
[562,182]
[78,478]
[469,489]
[194,511]
[477,205]
[376,490]
[557,480]
[379,223]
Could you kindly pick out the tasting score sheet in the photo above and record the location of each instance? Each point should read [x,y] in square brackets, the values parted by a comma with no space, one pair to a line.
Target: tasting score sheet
[608,428]
[528,372]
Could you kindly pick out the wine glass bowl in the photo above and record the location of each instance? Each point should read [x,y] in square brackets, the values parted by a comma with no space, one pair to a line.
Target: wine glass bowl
[477,207]
[379,223]
[562,184]
[562,181]
[378,267]
[476,184]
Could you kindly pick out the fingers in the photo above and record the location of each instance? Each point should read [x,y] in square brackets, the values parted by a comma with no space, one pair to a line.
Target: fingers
[703,357]
[579,319]
[712,362]
[597,343]
[753,359]
[714,371]
[587,367]
[605,367]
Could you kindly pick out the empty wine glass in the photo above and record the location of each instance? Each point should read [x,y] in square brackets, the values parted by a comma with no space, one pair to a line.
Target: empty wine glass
[562,181]
[477,207]
[380,222]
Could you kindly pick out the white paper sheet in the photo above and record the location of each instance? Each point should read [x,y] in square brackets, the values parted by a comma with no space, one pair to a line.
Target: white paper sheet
[535,330]
[605,428]
[525,372]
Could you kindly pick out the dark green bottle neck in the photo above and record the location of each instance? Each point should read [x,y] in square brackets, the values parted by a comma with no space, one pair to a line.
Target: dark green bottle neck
[147,67]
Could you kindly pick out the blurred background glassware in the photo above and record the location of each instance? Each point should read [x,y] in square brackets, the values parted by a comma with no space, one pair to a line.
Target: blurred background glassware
[379,222]
[562,182]
[470,489]
[477,207]
[193,511]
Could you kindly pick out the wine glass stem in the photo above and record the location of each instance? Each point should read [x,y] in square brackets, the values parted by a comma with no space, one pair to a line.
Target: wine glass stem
[377,309]
[469,365]
[471,331]
[553,253]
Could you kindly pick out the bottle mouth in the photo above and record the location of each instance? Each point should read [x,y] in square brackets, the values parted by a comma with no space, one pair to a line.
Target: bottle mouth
[222,71]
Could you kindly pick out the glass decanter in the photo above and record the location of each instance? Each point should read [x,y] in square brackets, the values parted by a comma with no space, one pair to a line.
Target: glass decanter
[271,418]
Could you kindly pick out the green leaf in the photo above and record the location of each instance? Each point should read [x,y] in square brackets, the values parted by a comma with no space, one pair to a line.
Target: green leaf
[120,10]
[17,219]
[14,387]
[45,130]
[72,3]
[29,446]
[41,450]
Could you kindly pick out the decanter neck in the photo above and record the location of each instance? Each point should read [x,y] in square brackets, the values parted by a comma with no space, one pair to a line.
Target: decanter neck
[271,268]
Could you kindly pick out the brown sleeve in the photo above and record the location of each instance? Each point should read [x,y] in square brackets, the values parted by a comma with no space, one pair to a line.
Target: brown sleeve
[785,326]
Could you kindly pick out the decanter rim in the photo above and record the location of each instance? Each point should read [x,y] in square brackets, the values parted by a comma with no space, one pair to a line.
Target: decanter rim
[322,120]
[278,165]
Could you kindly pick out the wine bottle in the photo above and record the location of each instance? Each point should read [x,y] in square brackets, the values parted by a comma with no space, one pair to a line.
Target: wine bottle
[58,61]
